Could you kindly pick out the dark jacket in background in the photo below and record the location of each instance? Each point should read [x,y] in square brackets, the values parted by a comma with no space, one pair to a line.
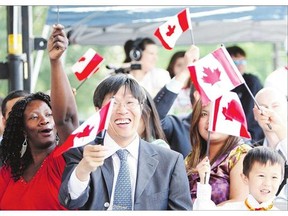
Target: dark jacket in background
[247,101]
[175,128]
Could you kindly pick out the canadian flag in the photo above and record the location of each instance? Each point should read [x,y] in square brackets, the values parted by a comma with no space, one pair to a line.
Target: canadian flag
[169,32]
[87,65]
[88,130]
[215,74]
[227,116]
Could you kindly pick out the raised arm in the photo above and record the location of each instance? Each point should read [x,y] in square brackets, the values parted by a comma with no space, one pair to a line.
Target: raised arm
[62,99]
[165,98]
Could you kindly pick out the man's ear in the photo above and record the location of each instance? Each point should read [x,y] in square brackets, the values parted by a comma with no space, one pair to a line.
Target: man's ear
[244,178]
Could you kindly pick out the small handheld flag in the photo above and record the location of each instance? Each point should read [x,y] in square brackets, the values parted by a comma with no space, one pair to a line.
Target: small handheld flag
[215,74]
[227,116]
[169,32]
[88,130]
[87,64]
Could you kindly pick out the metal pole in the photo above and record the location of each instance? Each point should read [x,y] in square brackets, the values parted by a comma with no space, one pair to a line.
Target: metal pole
[15,62]
[28,45]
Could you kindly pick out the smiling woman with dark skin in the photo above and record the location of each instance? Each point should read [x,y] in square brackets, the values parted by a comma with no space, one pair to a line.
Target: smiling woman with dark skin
[31,176]
[25,172]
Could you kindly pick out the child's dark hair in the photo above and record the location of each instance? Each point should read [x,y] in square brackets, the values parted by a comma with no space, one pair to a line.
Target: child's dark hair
[262,155]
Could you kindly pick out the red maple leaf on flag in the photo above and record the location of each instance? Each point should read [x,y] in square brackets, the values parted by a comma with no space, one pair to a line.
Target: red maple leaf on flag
[87,130]
[170,30]
[233,112]
[212,76]
[82,59]
[224,112]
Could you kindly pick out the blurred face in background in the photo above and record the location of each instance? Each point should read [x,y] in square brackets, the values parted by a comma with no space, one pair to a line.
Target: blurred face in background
[179,65]
[9,106]
[149,57]
[241,62]
[273,99]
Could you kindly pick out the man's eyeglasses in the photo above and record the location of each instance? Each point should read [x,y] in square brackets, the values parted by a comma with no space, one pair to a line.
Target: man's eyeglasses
[129,104]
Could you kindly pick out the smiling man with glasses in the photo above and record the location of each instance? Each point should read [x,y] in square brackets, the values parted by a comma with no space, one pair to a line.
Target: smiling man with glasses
[126,173]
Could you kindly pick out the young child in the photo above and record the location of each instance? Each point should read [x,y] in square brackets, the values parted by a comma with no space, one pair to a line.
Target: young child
[273,106]
[263,170]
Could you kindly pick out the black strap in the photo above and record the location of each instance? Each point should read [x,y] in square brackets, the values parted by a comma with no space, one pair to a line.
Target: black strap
[284,180]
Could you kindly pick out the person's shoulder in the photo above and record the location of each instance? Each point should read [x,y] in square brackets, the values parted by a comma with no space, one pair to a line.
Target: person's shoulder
[158,149]
[250,76]
[241,148]
[236,153]
[160,142]
[253,82]
[160,72]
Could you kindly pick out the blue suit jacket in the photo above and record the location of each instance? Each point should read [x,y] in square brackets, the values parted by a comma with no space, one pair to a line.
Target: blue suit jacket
[175,128]
[161,183]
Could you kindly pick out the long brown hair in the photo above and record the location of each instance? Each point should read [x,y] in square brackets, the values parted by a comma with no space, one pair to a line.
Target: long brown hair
[199,145]
[153,129]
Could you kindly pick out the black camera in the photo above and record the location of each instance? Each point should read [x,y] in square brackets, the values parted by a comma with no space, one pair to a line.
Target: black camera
[124,70]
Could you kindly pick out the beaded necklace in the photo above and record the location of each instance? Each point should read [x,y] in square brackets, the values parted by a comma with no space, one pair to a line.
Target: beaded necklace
[258,209]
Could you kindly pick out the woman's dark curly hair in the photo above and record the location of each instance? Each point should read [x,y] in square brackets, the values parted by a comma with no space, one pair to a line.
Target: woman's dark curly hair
[13,136]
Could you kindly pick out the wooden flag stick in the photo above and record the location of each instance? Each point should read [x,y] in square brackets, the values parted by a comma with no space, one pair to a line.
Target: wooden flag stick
[208,144]
[269,126]
[192,36]
[206,180]
[81,84]
[191,29]
[57,14]
[57,20]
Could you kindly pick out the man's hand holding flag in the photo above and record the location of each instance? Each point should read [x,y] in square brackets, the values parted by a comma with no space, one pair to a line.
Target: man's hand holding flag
[88,130]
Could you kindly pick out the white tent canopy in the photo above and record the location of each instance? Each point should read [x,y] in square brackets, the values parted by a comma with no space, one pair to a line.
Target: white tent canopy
[113,25]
